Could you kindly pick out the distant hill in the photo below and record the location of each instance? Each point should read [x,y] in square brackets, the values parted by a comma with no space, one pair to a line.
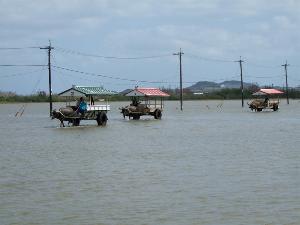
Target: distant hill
[204,84]
[126,91]
[207,86]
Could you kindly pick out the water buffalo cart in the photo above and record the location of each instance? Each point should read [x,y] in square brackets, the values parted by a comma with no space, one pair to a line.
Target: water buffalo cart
[144,101]
[74,113]
[265,99]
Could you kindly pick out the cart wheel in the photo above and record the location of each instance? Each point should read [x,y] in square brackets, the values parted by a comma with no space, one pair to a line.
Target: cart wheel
[275,107]
[136,117]
[101,119]
[76,122]
[259,109]
[157,114]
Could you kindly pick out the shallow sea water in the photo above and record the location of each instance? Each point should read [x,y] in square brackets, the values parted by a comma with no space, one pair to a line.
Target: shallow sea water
[215,163]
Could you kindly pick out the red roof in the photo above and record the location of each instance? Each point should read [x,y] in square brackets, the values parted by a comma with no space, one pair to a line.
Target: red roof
[152,92]
[268,92]
[271,91]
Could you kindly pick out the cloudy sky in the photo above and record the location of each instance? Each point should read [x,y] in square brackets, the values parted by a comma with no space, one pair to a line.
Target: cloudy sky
[123,43]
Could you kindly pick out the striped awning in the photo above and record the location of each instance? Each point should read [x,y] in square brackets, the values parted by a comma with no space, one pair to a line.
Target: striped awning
[86,91]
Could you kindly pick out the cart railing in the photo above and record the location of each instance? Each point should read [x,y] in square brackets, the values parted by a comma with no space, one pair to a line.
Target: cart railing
[98,107]
[160,106]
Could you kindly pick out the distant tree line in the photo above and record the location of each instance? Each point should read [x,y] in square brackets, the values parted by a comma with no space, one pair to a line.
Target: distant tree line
[225,94]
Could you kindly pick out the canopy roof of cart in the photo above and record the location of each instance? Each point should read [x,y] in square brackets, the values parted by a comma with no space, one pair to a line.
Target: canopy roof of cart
[81,91]
[147,92]
[269,91]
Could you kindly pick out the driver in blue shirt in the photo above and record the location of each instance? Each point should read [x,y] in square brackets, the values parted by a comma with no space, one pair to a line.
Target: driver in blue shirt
[82,106]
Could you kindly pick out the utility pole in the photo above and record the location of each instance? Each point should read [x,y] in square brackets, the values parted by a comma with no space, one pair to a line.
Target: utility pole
[286,82]
[49,69]
[242,83]
[180,53]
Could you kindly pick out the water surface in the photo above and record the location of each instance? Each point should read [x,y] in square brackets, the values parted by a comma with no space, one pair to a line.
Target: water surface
[212,164]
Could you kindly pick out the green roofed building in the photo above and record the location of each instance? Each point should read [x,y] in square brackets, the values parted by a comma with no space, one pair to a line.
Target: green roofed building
[86,91]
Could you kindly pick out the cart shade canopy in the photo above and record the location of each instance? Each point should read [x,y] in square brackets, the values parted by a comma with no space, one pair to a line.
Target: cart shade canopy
[82,91]
[265,91]
[147,92]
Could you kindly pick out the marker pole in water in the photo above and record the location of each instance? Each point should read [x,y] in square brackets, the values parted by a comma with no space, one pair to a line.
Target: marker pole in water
[49,69]
[180,53]
[286,82]
[242,83]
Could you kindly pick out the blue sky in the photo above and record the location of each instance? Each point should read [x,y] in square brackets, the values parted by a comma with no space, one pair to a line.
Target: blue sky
[211,33]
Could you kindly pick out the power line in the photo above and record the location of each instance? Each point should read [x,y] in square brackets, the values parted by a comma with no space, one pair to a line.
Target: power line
[130,80]
[110,57]
[208,59]
[92,80]
[19,65]
[21,74]
[94,74]
[16,48]
[226,61]
[105,76]
[262,76]
[71,75]
[141,81]
[117,78]
[61,78]
[261,66]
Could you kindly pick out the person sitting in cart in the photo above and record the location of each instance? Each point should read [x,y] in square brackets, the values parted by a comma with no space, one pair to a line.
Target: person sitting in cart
[266,100]
[82,106]
[135,101]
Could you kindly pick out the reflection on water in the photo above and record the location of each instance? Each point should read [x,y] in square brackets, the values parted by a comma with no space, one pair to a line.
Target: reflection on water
[213,163]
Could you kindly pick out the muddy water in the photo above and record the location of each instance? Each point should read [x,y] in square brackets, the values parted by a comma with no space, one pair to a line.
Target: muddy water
[213,163]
